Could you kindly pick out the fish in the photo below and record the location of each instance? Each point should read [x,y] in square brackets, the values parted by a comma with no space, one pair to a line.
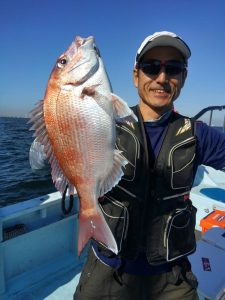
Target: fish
[75,124]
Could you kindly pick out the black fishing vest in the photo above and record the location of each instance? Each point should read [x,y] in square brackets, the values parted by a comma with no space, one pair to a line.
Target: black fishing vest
[149,210]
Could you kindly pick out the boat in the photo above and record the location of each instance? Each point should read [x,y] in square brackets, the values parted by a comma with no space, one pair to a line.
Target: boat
[38,243]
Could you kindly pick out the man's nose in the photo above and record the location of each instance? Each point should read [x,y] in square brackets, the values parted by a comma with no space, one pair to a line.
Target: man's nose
[162,76]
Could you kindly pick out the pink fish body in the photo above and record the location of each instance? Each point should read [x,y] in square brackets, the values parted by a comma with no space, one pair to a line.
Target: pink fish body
[76,124]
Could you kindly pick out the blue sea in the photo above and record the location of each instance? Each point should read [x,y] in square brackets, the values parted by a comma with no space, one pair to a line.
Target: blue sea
[17,181]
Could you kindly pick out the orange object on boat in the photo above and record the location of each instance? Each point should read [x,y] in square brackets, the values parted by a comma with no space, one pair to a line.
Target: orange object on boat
[215,219]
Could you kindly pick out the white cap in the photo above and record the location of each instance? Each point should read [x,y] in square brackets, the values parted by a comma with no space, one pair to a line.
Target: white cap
[163,38]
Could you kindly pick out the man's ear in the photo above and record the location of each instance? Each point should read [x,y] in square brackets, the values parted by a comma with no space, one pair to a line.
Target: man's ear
[184,76]
[135,77]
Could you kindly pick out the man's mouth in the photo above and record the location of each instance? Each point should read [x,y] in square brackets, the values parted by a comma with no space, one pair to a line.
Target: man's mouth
[160,92]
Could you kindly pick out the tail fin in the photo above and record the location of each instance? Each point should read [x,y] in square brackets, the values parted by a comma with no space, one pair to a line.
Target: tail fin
[95,227]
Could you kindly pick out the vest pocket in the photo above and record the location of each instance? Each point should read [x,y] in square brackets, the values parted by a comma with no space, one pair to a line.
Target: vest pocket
[181,159]
[117,218]
[179,237]
[172,236]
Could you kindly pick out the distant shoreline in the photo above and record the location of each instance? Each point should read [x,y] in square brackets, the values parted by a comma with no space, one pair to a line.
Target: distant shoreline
[15,117]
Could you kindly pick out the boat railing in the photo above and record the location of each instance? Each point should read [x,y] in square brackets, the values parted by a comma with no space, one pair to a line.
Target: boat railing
[211,109]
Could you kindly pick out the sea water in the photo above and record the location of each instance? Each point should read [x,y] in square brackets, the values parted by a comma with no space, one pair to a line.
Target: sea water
[17,181]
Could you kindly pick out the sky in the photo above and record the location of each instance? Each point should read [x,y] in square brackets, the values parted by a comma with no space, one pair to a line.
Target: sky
[33,33]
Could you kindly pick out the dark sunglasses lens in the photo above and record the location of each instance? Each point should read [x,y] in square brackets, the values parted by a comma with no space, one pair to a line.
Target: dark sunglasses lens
[174,67]
[151,68]
[154,67]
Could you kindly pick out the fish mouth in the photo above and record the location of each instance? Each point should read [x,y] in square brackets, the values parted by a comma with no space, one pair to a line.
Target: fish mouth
[79,41]
[78,60]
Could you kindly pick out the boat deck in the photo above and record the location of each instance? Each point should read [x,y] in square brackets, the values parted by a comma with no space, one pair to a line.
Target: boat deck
[55,287]
[39,257]
[61,286]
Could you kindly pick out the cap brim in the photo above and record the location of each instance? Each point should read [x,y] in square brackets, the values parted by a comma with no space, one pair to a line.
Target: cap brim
[167,41]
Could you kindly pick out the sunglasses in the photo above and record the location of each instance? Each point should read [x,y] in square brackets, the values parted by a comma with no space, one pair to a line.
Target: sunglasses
[153,67]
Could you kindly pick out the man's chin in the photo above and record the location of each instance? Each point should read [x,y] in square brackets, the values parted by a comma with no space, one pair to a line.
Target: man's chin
[163,108]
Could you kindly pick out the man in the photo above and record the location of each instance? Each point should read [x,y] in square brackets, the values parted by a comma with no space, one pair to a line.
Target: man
[149,211]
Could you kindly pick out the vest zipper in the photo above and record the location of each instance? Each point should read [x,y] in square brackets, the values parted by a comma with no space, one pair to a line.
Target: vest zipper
[146,198]
[165,231]
[174,196]
[171,216]
[126,191]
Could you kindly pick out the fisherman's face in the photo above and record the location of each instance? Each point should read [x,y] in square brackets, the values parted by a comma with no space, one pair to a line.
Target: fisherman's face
[157,92]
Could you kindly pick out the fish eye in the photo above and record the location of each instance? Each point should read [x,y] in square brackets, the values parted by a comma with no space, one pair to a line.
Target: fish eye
[61,62]
[97,50]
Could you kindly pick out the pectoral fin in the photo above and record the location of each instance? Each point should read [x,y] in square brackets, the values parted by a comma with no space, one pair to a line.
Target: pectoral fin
[115,174]
[122,110]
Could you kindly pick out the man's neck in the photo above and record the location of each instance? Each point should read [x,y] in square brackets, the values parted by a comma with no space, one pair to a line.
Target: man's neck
[151,114]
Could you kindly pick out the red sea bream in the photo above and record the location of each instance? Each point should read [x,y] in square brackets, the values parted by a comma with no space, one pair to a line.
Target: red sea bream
[76,124]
